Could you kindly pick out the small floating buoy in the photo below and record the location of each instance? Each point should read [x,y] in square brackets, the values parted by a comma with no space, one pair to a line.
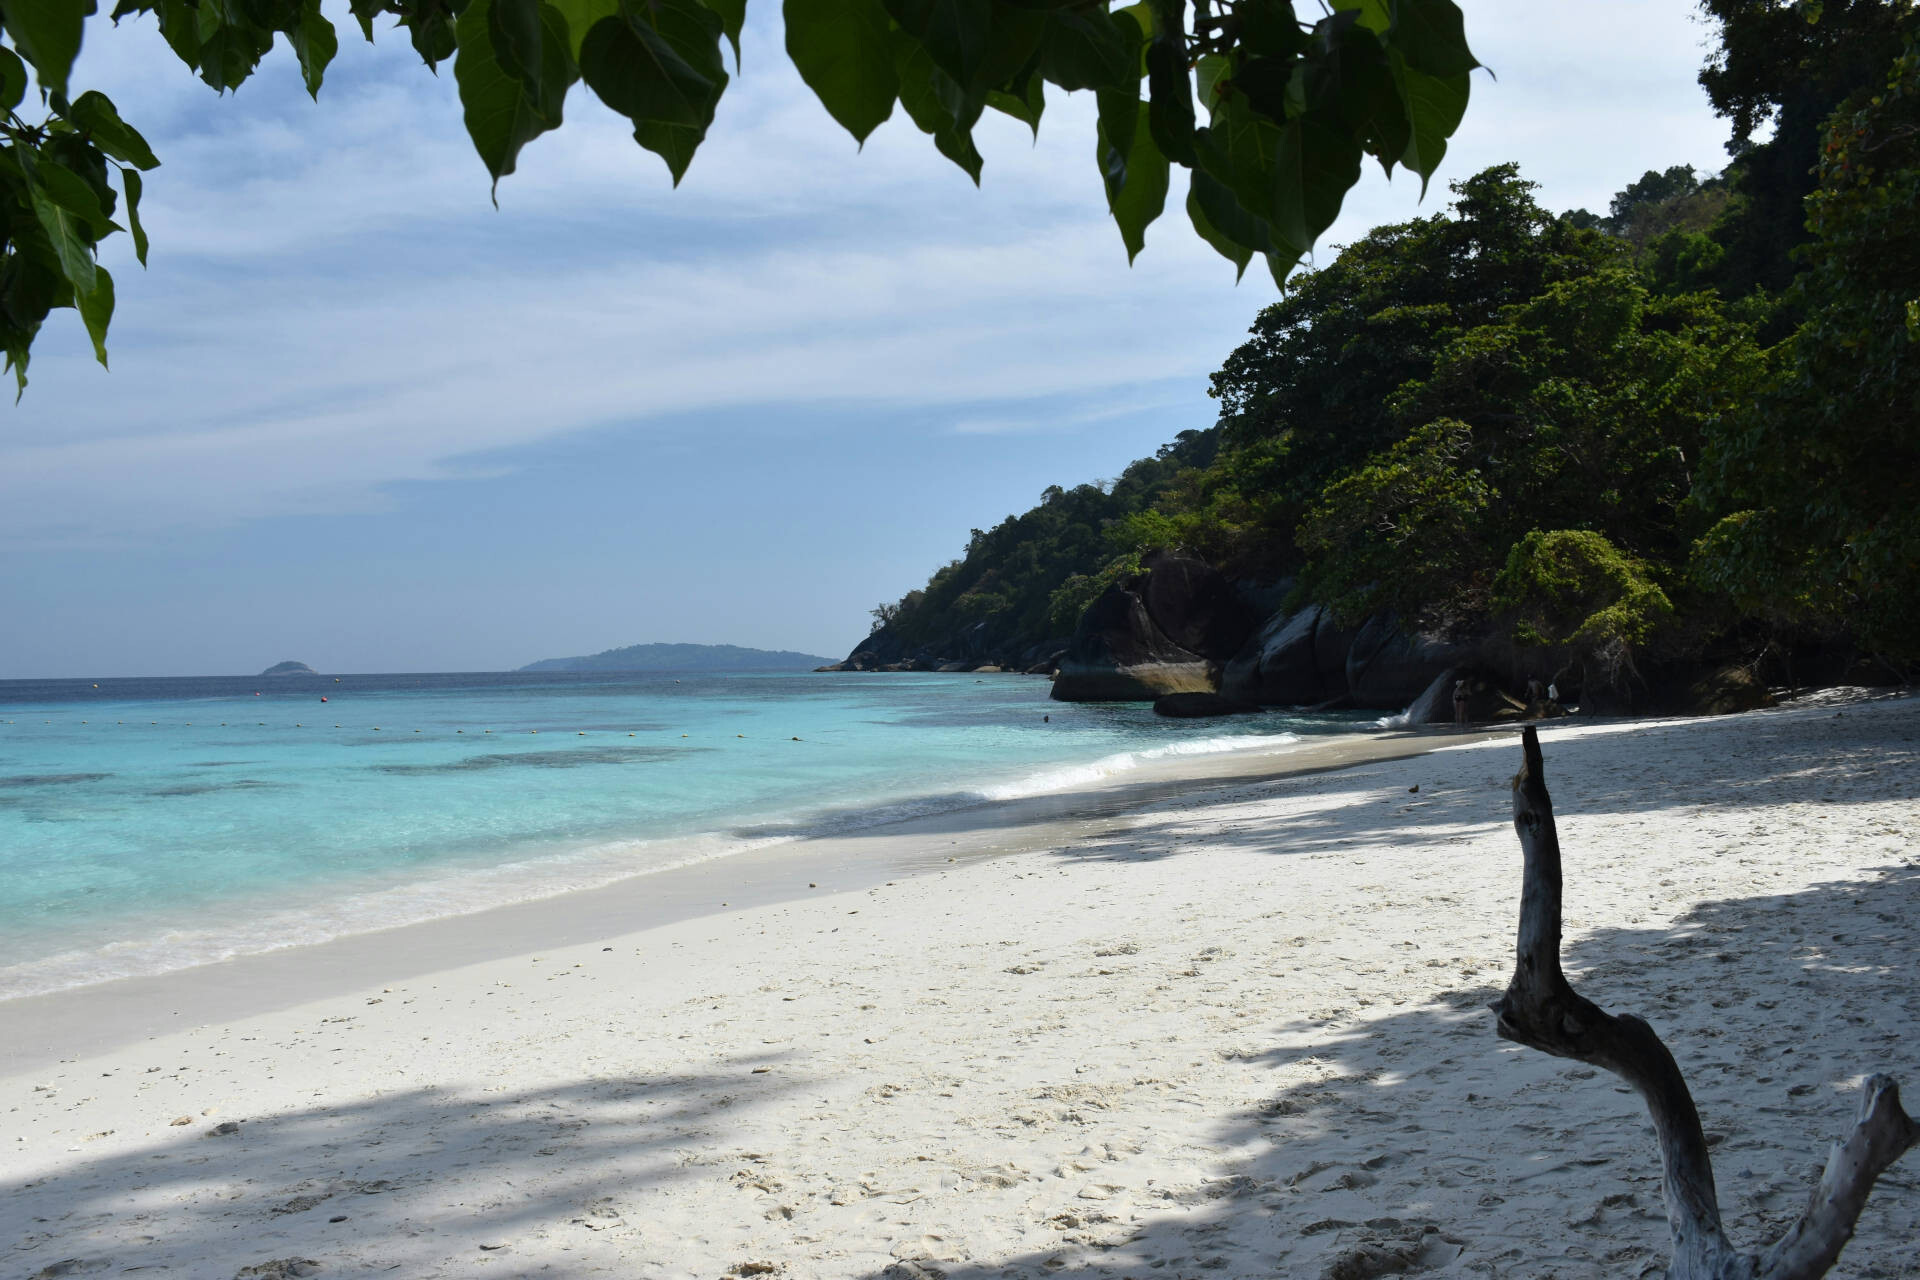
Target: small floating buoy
[739,735]
[376,728]
[629,735]
[580,735]
[96,686]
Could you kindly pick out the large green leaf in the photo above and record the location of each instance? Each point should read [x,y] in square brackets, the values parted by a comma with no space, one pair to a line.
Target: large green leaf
[1432,36]
[314,44]
[1141,192]
[733,16]
[1435,106]
[843,51]
[580,16]
[66,234]
[662,69]
[1373,14]
[1227,247]
[1088,49]
[500,117]
[1317,164]
[937,105]
[956,34]
[1170,96]
[13,79]
[96,310]
[513,28]
[94,114]
[130,178]
[74,194]
[47,33]
[1025,102]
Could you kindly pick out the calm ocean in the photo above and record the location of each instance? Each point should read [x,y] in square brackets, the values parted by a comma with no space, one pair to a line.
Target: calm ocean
[147,825]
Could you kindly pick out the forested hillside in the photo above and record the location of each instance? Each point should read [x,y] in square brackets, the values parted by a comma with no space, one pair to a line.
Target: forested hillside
[1689,426]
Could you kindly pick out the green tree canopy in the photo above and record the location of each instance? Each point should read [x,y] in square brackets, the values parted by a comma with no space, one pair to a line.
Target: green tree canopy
[1272,115]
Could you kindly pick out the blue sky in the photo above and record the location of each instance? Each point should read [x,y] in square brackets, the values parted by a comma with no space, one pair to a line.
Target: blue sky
[360,418]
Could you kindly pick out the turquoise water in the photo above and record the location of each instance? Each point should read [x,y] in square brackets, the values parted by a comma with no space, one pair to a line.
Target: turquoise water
[152,824]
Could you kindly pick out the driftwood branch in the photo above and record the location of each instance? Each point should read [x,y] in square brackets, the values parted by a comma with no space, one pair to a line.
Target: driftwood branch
[1541,1010]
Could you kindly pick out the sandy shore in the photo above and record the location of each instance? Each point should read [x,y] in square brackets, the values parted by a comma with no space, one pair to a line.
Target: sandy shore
[1237,1033]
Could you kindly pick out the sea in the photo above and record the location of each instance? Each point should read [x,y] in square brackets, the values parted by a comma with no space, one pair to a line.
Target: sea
[155,824]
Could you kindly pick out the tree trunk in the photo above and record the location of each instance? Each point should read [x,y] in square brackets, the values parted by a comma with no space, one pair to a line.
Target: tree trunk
[1542,1011]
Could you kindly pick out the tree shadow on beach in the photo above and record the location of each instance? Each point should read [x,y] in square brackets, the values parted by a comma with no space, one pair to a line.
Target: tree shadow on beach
[1775,763]
[1420,1143]
[413,1182]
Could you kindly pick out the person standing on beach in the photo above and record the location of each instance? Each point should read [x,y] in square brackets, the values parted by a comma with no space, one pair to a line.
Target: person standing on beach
[1460,702]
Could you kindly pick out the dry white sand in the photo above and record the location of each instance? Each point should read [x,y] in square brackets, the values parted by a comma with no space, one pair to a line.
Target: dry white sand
[1244,1036]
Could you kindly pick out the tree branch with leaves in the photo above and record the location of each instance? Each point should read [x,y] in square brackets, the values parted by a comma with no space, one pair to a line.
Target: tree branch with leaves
[1271,107]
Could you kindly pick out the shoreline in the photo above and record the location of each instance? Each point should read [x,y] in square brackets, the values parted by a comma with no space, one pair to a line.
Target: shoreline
[1238,1031]
[90,1017]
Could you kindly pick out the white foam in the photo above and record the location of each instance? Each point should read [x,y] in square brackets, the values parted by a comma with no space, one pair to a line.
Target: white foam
[1054,780]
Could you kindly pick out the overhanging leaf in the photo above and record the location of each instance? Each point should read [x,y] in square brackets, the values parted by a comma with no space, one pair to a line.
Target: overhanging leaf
[955,33]
[94,113]
[580,16]
[1227,247]
[1432,36]
[1435,107]
[1141,193]
[47,33]
[733,16]
[64,230]
[314,44]
[937,105]
[1088,49]
[130,179]
[13,79]
[843,51]
[1317,164]
[663,71]
[96,310]
[500,118]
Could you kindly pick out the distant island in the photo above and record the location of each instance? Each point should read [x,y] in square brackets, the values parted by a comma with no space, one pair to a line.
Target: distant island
[289,669]
[684,657]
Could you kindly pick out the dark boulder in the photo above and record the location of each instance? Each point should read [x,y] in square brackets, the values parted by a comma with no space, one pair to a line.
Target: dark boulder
[1194,606]
[880,650]
[1386,668]
[1723,692]
[1119,654]
[1194,706]
[1293,660]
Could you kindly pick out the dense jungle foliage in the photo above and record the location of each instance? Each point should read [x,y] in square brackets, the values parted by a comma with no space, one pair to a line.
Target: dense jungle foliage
[1692,421]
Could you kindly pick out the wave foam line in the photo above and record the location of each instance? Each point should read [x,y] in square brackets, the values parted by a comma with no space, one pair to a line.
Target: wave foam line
[466,891]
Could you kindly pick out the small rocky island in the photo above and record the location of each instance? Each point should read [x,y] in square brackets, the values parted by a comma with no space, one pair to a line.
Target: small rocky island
[289,669]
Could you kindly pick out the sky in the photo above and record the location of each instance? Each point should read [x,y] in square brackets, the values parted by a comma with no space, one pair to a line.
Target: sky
[360,418]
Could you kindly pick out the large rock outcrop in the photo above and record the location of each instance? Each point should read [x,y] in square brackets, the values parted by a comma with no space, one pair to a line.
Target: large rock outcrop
[1195,607]
[1166,631]
[1295,660]
[1387,668]
[1119,654]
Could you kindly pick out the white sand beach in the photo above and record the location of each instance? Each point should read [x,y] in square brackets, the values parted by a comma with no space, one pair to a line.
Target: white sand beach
[1241,1033]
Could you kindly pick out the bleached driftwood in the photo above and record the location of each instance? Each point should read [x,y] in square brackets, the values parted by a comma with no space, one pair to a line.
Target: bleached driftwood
[1542,1011]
